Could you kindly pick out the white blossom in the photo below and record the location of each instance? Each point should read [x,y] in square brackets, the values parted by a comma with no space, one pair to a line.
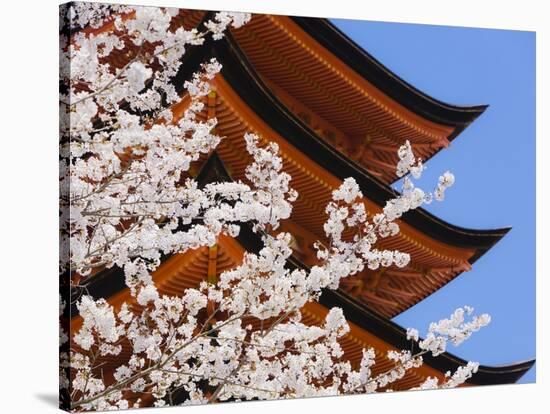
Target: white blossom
[454,329]
[147,294]
[412,334]
[224,19]
[137,73]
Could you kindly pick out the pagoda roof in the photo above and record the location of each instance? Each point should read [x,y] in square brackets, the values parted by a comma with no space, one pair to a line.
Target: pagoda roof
[332,38]
[357,104]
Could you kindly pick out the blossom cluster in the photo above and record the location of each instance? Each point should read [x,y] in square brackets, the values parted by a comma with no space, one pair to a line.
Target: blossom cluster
[459,377]
[413,197]
[455,329]
[123,191]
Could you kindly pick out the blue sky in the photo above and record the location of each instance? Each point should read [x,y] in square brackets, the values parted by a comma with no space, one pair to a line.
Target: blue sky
[494,164]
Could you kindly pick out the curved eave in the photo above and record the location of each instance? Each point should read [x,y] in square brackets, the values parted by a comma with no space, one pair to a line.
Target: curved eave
[397,337]
[339,44]
[241,76]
